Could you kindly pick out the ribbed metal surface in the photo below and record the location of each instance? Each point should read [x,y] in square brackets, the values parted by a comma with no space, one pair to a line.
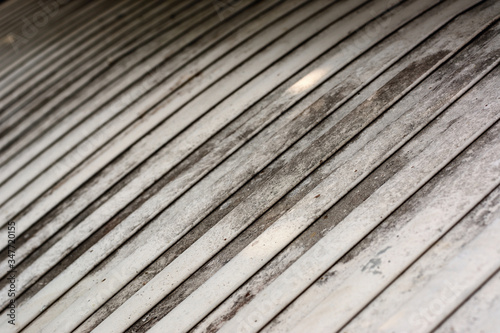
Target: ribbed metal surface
[241,166]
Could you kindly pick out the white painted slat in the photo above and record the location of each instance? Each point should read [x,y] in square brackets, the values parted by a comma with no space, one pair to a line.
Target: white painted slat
[155,176]
[79,100]
[278,264]
[16,173]
[163,197]
[29,62]
[462,275]
[160,167]
[443,140]
[175,123]
[82,201]
[478,314]
[18,63]
[145,146]
[197,170]
[76,10]
[157,289]
[426,268]
[394,248]
[49,54]
[270,242]
[33,81]
[68,85]
[110,242]
[74,73]
[157,69]
[349,286]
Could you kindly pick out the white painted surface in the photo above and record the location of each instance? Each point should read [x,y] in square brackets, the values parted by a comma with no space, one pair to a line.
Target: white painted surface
[195,196]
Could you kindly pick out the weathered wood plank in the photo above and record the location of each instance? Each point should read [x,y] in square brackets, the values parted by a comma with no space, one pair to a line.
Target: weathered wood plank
[285,229]
[426,154]
[313,53]
[479,313]
[27,95]
[79,202]
[419,274]
[157,69]
[159,295]
[461,186]
[183,117]
[25,41]
[467,271]
[103,181]
[96,91]
[183,165]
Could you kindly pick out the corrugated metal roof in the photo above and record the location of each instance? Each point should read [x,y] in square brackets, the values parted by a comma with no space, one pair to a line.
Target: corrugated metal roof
[242,166]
